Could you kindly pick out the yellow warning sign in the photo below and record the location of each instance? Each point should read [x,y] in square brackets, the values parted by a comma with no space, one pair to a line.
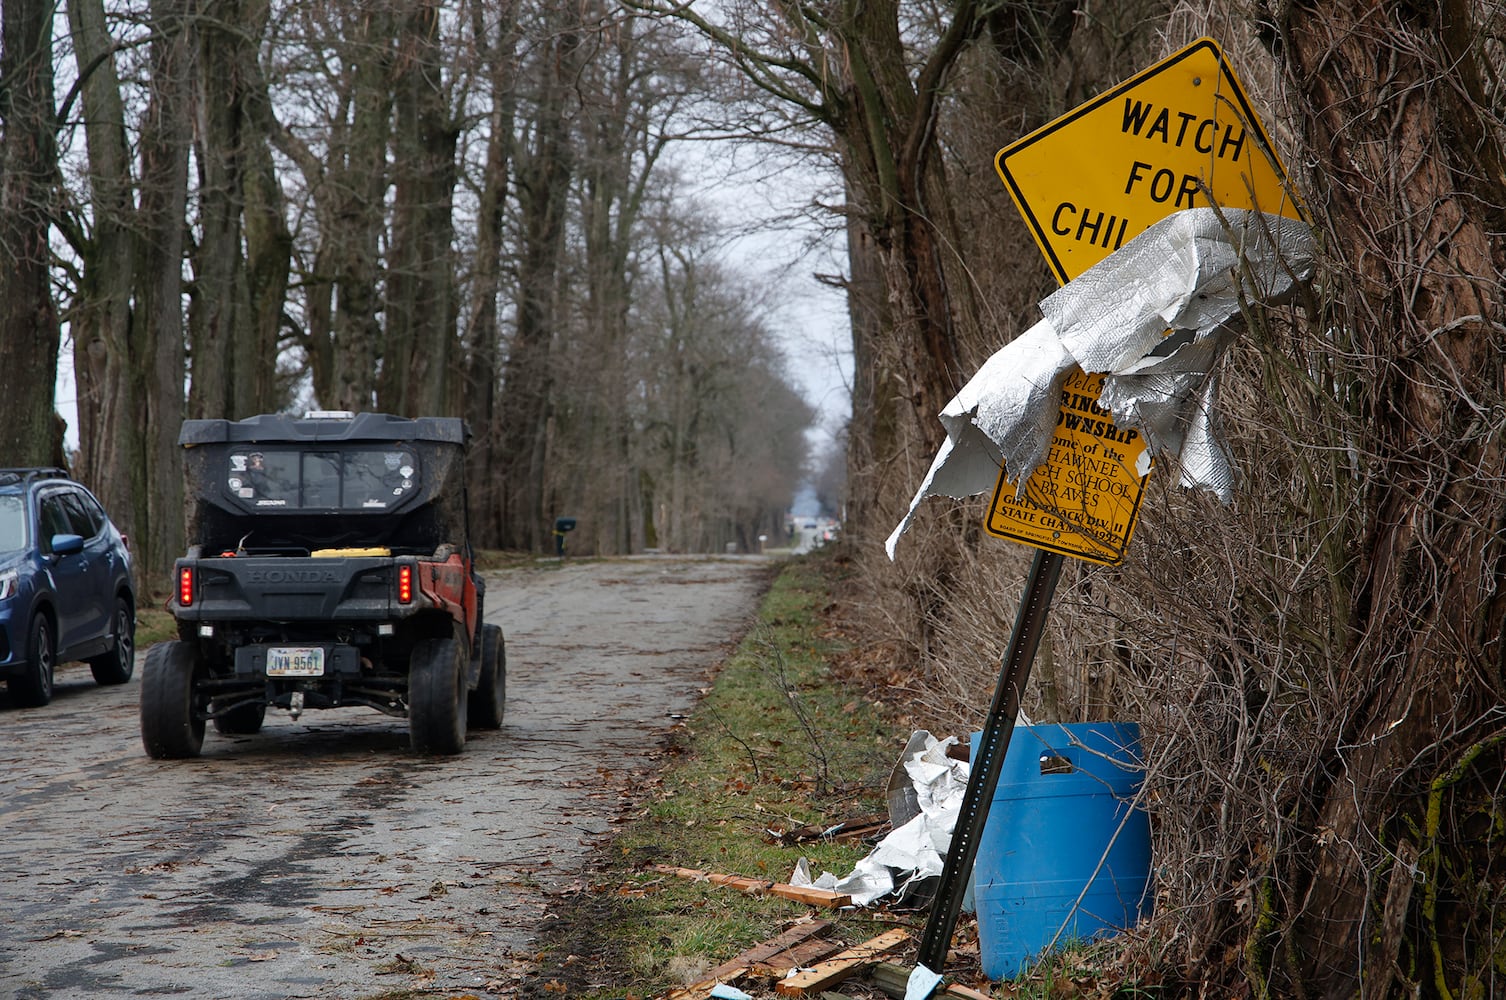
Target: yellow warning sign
[1180,134]
[1084,498]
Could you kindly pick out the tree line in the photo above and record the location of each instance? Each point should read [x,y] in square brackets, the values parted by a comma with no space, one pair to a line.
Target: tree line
[434,208]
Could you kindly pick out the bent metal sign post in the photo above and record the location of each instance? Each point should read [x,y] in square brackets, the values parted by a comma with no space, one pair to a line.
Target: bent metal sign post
[1180,134]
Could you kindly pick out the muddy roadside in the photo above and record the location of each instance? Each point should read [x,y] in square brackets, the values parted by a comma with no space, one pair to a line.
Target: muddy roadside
[322,858]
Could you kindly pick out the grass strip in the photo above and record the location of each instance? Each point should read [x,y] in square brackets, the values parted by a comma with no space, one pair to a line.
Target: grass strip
[776,743]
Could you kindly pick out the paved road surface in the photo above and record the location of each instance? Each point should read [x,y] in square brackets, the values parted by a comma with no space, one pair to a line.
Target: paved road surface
[321,858]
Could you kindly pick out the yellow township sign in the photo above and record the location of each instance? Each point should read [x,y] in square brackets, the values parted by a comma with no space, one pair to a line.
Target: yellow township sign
[1180,134]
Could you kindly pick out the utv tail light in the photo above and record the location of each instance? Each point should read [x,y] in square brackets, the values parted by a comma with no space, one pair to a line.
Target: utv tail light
[185,587]
[405,585]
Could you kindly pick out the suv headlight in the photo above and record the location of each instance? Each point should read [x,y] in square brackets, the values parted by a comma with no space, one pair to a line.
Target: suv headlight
[9,584]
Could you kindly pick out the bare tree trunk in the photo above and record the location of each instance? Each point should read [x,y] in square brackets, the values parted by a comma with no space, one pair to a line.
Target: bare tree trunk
[1412,189]
[157,334]
[483,339]
[872,431]
[111,435]
[29,434]
[420,311]
[219,317]
[544,172]
[269,244]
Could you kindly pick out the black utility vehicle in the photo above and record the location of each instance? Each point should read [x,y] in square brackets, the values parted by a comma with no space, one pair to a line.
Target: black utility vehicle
[329,564]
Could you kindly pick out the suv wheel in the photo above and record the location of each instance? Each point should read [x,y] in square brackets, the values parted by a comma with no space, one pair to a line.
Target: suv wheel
[171,725]
[33,687]
[437,696]
[489,701]
[116,666]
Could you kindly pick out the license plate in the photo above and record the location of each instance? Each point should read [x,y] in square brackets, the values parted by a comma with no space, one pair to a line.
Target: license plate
[295,661]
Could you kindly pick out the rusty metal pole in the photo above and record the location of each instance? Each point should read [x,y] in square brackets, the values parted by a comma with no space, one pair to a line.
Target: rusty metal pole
[987,764]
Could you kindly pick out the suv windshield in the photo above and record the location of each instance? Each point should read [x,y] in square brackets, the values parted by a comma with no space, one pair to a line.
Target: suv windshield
[12,523]
[373,479]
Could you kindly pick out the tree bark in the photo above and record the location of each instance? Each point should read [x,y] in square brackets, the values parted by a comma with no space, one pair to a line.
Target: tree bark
[1411,189]
[420,311]
[545,168]
[219,317]
[158,348]
[482,339]
[29,434]
[101,316]
[269,244]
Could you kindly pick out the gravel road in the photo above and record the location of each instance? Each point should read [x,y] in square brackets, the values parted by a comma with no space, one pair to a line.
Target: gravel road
[322,858]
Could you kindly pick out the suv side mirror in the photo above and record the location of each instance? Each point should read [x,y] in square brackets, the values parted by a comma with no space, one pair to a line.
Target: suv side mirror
[67,545]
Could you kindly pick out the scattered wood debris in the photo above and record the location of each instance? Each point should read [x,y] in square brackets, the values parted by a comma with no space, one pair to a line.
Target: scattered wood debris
[800,945]
[839,967]
[859,828]
[758,887]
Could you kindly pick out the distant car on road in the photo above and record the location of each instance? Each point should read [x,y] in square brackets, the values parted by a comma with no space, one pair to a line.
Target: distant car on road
[66,590]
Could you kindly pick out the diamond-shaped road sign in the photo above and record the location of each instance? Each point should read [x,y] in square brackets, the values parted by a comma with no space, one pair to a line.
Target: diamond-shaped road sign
[1180,134]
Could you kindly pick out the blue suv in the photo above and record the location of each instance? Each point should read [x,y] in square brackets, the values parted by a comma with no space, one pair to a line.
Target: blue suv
[66,590]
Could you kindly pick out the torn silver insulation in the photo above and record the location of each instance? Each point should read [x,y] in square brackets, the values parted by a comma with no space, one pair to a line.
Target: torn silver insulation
[1188,274]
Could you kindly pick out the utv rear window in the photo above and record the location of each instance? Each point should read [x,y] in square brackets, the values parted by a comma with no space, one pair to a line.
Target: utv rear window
[373,479]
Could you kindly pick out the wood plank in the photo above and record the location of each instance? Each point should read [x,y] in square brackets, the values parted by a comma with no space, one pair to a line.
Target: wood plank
[839,967]
[778,954]
[804,954]
[758,887]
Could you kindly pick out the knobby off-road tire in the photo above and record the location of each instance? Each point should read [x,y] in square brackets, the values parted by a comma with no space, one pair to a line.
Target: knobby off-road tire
[244,720]
[170,725]
[33,688]
[116,666]
[437,698]
[488,703]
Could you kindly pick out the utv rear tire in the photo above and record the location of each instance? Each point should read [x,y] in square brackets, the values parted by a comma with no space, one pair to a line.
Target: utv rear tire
[437,698]
[488,702]
[116,666]
[171,726]
[243,720]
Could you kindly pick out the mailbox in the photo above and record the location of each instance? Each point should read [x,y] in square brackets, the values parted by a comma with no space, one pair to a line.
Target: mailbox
[562,525]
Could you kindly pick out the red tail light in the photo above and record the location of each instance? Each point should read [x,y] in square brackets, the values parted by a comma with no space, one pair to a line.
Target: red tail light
[185,587]
[405,584]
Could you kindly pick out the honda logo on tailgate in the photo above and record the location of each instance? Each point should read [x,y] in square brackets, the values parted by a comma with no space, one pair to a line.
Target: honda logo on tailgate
[293,576]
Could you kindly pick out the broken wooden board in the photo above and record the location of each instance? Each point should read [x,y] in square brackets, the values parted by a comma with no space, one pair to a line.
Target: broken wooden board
[839,967]
[758,887]
[798,945]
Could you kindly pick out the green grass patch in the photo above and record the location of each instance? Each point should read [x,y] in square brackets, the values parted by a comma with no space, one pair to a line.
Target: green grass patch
[154,623]
[776,744]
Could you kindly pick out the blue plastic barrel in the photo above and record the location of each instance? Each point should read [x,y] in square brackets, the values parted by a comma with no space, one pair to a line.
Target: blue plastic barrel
[1064,857]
